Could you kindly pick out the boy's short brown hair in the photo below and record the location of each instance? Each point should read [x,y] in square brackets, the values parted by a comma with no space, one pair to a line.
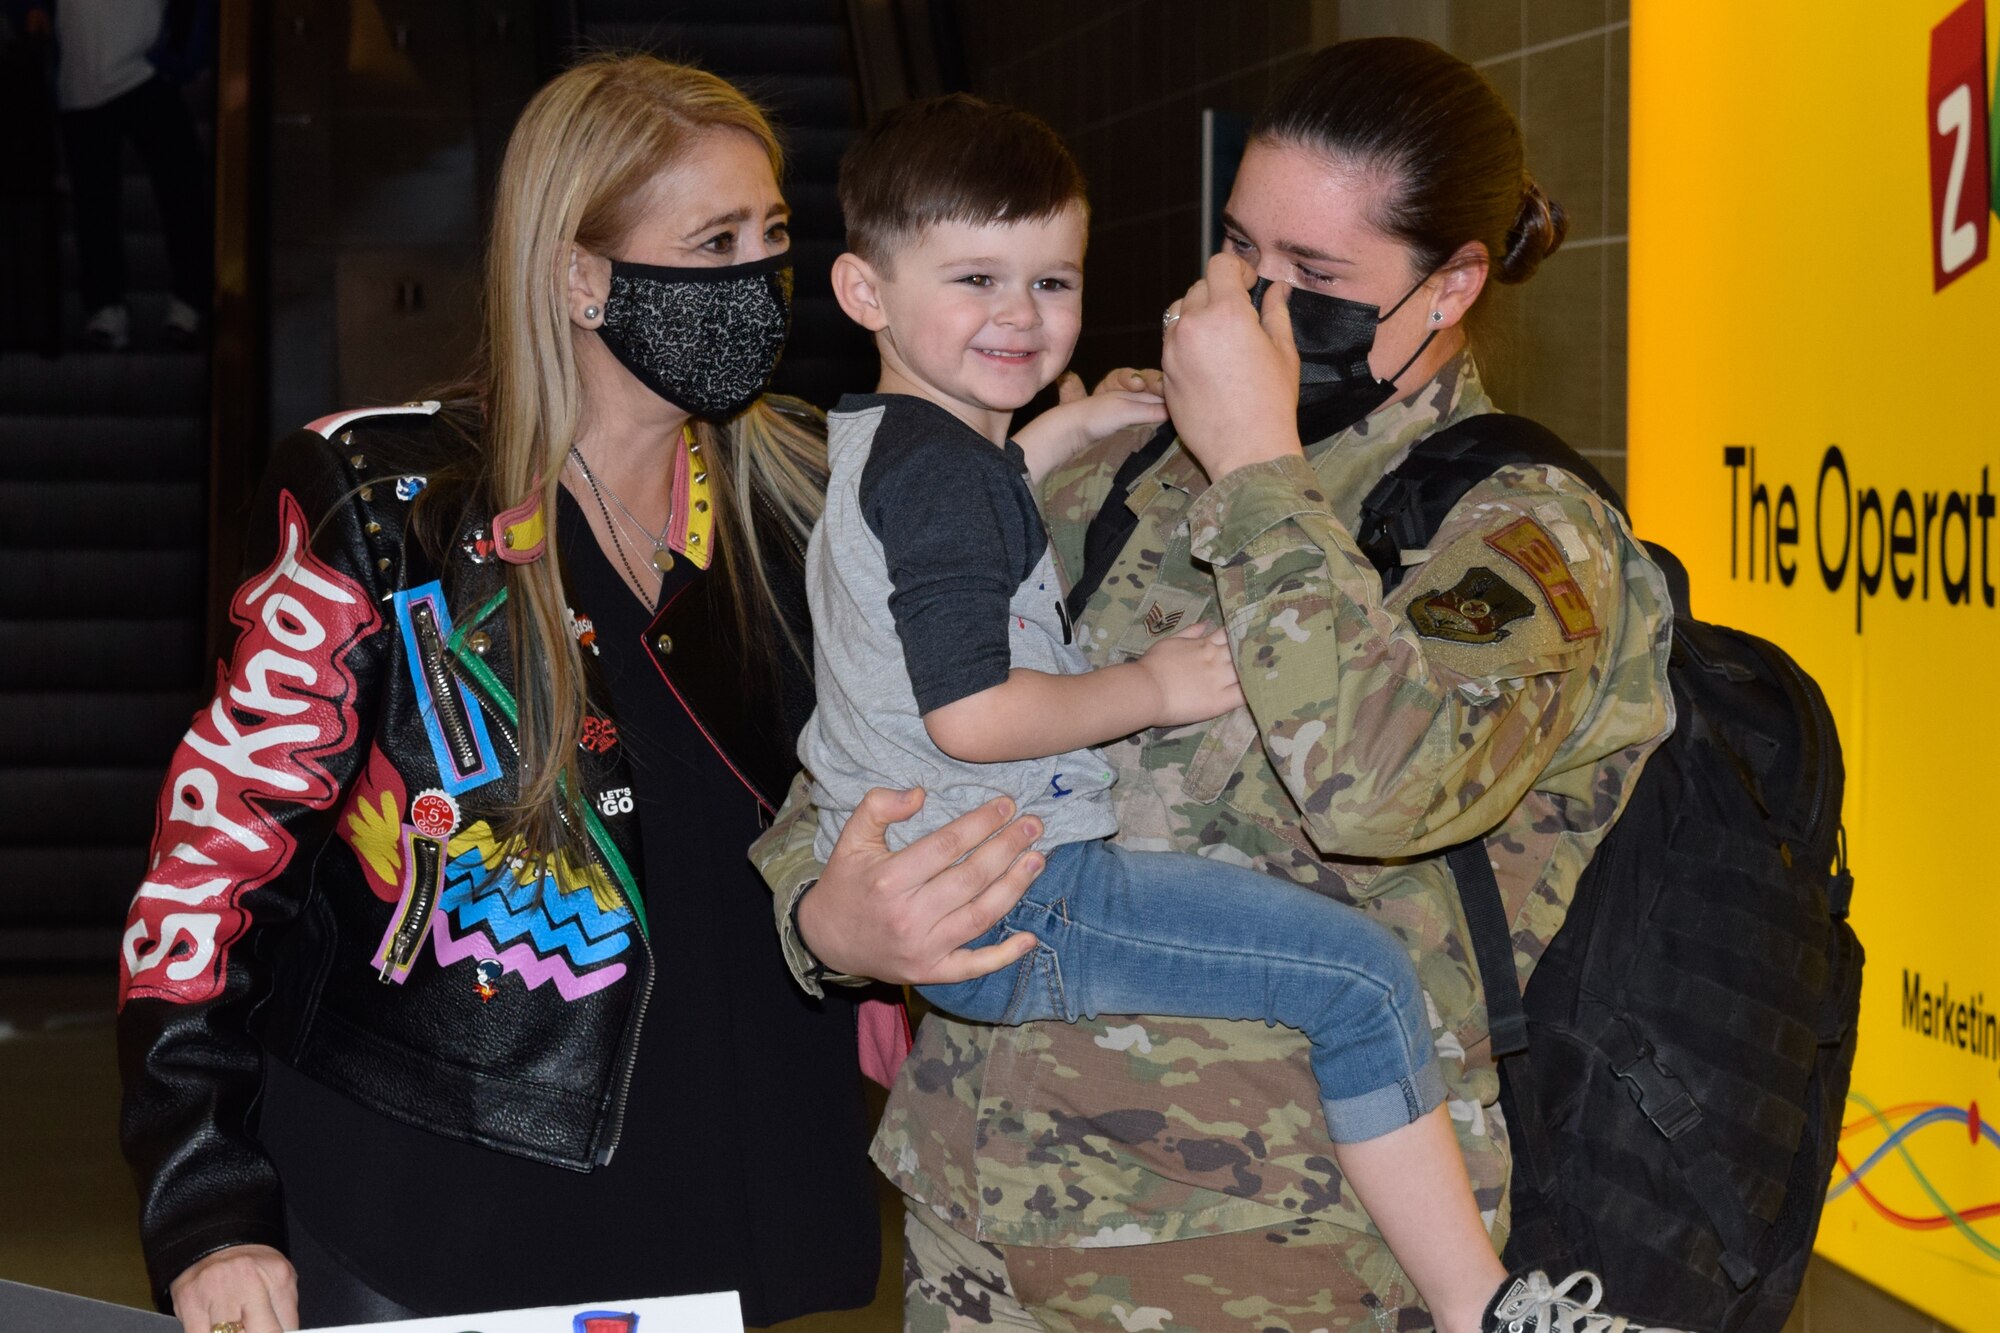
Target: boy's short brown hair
[951,159]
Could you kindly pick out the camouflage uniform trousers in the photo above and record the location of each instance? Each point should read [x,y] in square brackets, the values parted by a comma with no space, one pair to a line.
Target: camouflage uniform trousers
[1307,1281]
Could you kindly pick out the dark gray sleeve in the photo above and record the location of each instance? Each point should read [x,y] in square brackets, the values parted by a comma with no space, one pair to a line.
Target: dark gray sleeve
[959,533]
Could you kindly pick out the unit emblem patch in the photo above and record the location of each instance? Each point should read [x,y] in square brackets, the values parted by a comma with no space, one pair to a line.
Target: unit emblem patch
[1476,609]
[1541,559]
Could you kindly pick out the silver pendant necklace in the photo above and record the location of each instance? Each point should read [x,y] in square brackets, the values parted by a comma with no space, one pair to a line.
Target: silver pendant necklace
[663,558]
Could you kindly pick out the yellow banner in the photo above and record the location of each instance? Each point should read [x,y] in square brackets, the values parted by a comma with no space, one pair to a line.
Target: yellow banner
[1815,368]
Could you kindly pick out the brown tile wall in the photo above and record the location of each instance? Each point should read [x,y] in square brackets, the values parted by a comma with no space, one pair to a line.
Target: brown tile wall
[1125,81]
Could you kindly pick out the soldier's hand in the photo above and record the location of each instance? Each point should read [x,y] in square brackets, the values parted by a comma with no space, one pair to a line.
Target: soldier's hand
[1232,373]
[905,917]
[1195,675]
[250,1285]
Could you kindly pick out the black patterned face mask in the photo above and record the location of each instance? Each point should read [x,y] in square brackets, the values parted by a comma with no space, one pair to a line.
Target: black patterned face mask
[706,339]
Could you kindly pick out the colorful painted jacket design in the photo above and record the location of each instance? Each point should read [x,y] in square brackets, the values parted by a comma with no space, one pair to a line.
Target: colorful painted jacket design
[1364,746]
[325,885]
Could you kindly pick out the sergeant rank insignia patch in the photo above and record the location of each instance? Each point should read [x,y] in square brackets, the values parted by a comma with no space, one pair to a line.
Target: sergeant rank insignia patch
[1476,609]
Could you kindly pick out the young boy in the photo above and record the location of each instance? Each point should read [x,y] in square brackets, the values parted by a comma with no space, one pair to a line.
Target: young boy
[944,659]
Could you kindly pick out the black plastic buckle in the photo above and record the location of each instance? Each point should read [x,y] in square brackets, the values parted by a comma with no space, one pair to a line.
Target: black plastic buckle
[1659,1093]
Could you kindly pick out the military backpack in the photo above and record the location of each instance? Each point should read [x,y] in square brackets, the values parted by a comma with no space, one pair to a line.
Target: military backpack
[1674,1074]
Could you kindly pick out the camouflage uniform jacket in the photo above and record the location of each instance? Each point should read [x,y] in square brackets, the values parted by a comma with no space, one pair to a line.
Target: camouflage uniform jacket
[1525,713]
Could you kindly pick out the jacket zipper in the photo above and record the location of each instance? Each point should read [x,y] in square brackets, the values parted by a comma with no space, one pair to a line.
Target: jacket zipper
[425,857]
[784,528]
[450,710]
[615,1130]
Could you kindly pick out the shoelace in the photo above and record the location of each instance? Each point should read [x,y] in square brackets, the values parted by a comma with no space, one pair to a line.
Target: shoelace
[1554,1310]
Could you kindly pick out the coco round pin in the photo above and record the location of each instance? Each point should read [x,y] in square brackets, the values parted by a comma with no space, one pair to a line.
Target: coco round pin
[434,814]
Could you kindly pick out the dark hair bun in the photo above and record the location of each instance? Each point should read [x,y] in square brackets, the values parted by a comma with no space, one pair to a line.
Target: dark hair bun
[1539,227]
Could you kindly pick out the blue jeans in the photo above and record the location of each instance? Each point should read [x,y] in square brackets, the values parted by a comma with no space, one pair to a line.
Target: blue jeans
[1182,936]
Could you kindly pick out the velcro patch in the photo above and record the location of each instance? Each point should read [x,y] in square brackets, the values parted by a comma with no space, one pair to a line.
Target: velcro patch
[1477,609]
[1528,544]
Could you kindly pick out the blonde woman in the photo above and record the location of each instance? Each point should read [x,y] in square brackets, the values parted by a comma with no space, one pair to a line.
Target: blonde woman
[449,987]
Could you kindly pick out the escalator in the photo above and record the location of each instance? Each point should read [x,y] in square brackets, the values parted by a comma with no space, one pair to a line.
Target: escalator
[103,558]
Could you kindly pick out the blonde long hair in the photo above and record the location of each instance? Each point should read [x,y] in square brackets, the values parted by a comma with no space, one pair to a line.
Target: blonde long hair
[575,173]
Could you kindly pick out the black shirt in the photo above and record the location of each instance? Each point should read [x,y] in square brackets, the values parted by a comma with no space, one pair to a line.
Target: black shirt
[743,1162]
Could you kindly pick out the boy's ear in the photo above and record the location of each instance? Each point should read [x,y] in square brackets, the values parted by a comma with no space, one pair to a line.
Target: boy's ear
[858,288]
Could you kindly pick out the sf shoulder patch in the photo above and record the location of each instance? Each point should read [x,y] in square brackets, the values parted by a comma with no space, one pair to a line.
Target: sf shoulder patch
[1528,545]
[1476,609]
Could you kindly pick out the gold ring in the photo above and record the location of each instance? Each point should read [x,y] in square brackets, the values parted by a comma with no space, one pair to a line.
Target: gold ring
[225,1326]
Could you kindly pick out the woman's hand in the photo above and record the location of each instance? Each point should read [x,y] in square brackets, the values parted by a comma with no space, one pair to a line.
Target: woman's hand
[1232,373]
[1195,676]
[1123,399]
[905,917]
[251,1285]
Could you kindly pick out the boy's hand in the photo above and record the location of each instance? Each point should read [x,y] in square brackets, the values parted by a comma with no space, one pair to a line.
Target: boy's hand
[1080,420]
[1070,387]
[1195,676]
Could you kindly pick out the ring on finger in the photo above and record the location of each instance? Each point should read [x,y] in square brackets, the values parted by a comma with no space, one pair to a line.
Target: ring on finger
[225,1326]
[1170,318]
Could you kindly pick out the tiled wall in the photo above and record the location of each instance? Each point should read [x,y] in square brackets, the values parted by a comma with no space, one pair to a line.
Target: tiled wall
[1125,81]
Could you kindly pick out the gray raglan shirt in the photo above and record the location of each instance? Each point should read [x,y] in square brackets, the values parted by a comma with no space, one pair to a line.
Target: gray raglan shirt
[931,576]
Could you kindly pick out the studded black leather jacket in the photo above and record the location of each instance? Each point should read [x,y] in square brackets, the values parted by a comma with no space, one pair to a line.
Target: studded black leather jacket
[326,886]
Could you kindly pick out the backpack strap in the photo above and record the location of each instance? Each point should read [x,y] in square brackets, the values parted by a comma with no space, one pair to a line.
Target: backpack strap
[1403,512]
[1537,1231]
[1409,504]
[1112,525]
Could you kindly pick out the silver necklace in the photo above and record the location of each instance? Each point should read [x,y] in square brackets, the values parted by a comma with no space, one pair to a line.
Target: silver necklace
[663,559]
[611,527]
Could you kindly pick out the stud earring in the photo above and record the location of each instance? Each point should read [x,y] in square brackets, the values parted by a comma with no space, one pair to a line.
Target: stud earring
[590,312]
[1437,316]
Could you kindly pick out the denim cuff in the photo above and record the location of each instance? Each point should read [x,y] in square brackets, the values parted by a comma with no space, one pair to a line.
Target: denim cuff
[1373,1114]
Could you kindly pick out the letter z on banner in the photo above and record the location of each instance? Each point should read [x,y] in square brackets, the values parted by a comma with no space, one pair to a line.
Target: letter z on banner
[286,700]
[1958,127]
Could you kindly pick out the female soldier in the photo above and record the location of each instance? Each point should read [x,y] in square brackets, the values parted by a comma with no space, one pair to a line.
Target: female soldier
[1378,195]
[516,681]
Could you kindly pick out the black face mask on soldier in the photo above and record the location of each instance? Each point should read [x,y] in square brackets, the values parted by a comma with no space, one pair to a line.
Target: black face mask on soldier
[1334,337]
[706,339]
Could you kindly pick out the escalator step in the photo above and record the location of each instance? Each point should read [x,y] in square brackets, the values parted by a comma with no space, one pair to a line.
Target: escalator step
[88,806]
[72,884]
[124,654]
[67,584]
[698,11]
[57,728]
[147,383]
[105,515]
[51,447]
[731,48]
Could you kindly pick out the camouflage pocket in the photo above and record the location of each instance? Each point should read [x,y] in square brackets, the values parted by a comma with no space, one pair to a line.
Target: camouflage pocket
[1219,755]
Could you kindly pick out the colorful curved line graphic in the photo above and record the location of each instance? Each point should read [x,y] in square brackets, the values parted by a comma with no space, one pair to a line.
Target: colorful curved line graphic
[1899,1123]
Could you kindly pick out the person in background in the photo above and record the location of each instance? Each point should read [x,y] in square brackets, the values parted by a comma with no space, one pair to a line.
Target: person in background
[118,67]
[449,987]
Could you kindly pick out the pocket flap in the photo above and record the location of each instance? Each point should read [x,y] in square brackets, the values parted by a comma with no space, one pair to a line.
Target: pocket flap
[1220,754]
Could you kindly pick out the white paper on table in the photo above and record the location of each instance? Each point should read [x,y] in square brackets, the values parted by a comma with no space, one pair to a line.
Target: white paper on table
[718,1312]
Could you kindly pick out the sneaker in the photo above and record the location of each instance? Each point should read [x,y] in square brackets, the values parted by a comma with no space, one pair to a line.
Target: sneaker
[183,322]
[110,329]
[1529,1304]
